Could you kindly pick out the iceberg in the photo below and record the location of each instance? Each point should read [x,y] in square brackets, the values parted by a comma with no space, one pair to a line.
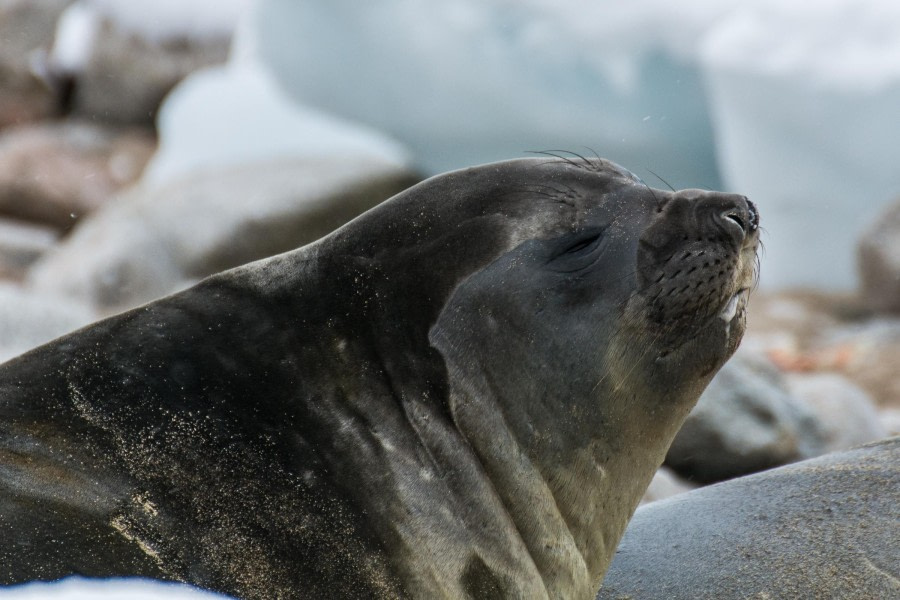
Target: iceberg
[806,112]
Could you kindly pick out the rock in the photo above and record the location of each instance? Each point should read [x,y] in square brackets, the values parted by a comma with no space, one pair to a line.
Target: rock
[120,59]
[875,356]
[155,239]
[55,173]
[29,319]
[745,421]
[823,528]
[26,26]
[878,261]
[890,420]
[813,332]
[846,414]
[22,244]
[665,484]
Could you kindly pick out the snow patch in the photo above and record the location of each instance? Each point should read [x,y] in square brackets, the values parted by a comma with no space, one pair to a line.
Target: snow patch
[75,588]
[234,115]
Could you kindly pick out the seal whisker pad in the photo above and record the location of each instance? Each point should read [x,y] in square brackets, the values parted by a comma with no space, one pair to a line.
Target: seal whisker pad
[461,393]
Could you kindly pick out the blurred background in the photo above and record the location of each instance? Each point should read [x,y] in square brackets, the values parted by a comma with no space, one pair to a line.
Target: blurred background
[145,145]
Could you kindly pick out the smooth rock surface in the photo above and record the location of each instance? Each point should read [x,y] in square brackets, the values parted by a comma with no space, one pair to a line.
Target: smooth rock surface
[745,421]
[55,173]
[823,528]
[153,240]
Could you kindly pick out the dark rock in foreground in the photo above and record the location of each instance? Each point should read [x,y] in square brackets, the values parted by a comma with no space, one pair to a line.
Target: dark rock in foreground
[823,528]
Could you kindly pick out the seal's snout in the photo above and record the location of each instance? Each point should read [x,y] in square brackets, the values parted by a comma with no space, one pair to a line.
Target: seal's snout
[696,261]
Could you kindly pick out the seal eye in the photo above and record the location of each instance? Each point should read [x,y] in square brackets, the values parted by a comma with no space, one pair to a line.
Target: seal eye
[583,245]
[578,254]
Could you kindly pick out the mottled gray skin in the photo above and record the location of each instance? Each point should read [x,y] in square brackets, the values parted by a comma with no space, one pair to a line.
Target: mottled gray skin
[463,392]
[823,529]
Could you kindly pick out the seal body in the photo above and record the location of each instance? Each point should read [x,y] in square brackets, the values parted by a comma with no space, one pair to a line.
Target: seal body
[463,392]
[822,528]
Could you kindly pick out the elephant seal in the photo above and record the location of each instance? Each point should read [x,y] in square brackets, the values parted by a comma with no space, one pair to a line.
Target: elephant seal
[462,392]
[827,527]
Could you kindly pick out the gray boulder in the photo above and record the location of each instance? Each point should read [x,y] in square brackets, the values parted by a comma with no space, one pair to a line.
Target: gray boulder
[118,69]
[823,528]
[21,245]
[890,420]
[55,173]
[746,420]
[26,28]
[156,239]
[878,260]
[846,415]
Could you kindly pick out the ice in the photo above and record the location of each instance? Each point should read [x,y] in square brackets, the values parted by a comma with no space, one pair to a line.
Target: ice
[75,588]
[234,115]
[806,112]
[468,81]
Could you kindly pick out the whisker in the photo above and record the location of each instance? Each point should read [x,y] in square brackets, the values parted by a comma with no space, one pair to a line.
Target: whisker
[661,179]
[594,152]
[564,159]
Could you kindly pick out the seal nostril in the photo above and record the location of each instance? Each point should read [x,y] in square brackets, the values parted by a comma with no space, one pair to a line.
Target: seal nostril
[736,218]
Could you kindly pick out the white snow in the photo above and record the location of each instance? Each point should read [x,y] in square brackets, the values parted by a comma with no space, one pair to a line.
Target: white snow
[235,115]
[75,588]
[76,31]
[849,45]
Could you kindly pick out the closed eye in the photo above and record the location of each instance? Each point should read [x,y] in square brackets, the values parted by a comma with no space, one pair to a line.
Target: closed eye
[584,245]
[577,253]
